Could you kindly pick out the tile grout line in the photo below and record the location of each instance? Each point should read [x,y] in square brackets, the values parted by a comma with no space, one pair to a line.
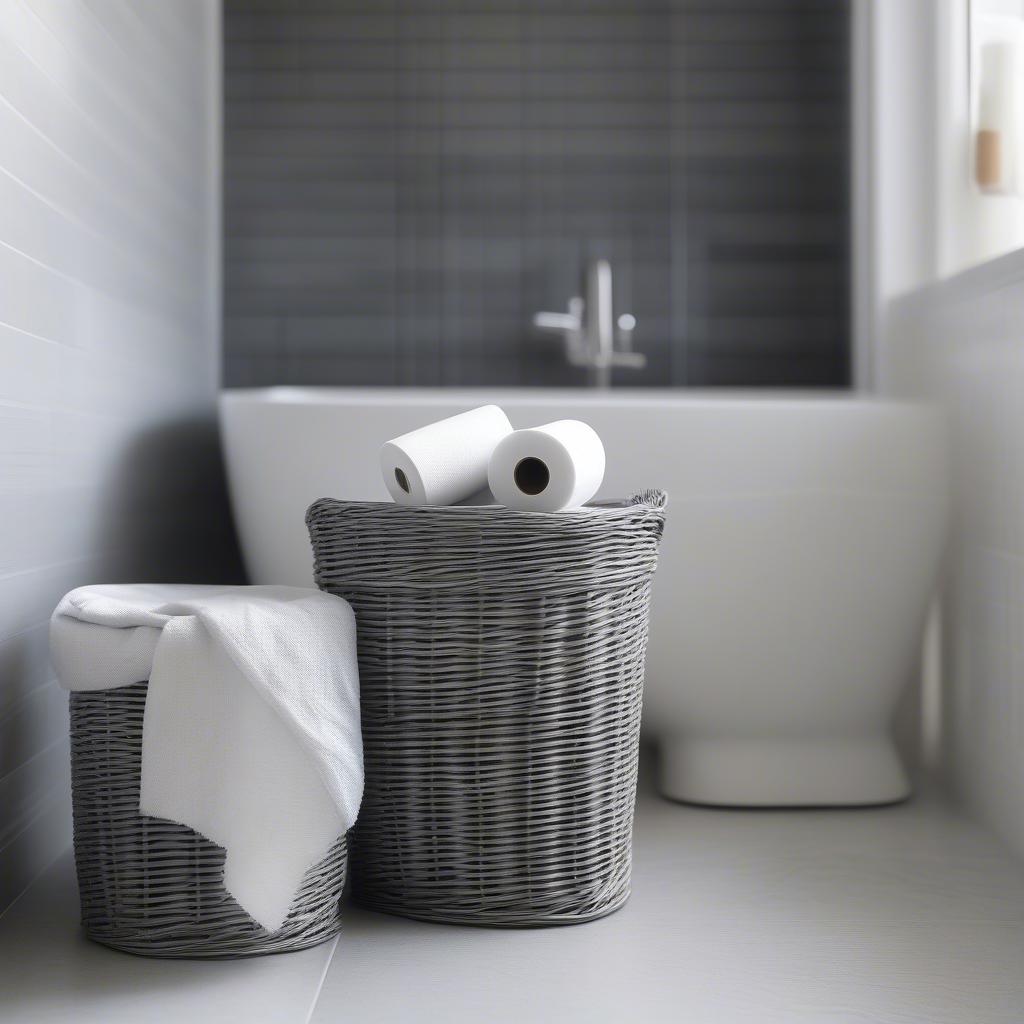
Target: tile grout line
[323,978]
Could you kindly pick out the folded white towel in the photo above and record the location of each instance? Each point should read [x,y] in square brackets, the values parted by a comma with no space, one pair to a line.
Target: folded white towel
[251,734]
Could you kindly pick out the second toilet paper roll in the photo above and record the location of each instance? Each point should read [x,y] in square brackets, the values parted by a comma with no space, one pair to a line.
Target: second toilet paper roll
[545,469]
[444,462]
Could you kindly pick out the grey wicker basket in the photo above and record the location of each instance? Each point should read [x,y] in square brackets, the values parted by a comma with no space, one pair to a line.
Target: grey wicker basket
[501,668]
[155,887]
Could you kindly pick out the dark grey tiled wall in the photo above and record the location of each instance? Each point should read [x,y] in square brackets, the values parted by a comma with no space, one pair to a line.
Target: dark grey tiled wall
[406,182]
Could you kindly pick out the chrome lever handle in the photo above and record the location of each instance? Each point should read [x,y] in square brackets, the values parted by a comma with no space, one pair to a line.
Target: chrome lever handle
[569,325]
[570,322]
[556,322]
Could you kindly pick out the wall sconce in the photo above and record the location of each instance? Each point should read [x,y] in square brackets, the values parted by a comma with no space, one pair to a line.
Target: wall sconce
[998,134]
[996,82]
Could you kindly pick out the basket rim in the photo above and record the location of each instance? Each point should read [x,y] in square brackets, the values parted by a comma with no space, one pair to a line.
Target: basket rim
[651,499]
[612,543]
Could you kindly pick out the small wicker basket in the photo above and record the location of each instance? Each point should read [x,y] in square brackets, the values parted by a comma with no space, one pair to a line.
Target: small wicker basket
[501,663]
[155,887]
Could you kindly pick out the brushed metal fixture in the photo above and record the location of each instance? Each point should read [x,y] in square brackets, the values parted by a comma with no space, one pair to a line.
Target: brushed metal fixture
[593,338]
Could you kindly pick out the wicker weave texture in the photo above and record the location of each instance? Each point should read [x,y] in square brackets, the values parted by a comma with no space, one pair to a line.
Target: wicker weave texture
[155,887]
[501,666]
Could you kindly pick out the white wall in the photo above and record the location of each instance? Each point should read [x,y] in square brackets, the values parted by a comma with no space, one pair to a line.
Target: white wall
[961,343]
[109,293]
[938,331]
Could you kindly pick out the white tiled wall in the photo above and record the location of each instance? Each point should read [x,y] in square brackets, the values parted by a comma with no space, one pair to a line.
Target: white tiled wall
[962,342]
[109,170]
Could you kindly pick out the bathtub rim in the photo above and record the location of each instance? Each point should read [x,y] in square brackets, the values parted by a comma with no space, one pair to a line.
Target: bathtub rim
[760,399]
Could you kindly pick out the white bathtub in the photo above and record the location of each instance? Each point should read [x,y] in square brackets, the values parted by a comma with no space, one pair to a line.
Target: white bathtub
[804,533]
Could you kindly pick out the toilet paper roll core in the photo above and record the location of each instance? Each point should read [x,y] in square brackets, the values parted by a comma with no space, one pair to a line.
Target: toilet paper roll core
[531,475]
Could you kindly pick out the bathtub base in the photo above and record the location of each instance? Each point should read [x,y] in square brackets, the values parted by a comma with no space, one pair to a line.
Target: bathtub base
[782,772]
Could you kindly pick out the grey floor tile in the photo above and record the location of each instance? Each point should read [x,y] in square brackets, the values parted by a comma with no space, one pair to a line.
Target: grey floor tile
[898,915]
[49,973]
[894,915]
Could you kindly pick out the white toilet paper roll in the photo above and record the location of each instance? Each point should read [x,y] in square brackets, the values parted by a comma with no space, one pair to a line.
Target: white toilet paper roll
[445,462]
[544,469]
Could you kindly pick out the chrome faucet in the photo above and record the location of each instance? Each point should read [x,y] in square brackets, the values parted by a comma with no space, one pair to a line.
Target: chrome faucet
[593,337]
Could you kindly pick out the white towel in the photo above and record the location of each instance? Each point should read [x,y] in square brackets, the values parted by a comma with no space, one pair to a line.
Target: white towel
[251,733]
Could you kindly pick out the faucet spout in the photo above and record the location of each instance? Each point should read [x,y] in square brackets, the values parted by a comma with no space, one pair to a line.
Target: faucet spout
[600,317]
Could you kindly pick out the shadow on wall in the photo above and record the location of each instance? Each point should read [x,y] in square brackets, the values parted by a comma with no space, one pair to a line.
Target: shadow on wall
[163,517]
[168,514]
